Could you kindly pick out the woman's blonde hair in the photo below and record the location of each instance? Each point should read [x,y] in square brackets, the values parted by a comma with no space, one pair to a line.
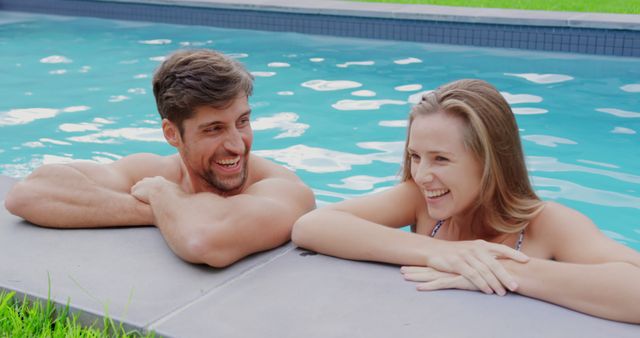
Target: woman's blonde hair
[507,201]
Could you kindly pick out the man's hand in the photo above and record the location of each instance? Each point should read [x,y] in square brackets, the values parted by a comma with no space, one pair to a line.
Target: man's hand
[147,186]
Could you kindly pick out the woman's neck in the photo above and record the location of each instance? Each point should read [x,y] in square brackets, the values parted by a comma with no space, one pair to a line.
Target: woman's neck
[470,225]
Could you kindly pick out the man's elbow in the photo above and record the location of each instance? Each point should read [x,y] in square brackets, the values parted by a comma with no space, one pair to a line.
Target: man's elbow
[17,200]
[208,249]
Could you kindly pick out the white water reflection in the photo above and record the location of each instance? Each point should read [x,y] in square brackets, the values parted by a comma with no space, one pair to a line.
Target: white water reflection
[238,55]
[631,88]
[58,72]
[284,121]
[324,85]
[155,42]
[322,160]
[547,140]
[529,111]
[79,127]
[27,115]
[362,182]
[619,112]
[602,164]
[112,135]
[390,152]
[278,65]
[542,78]
[355,63]
[520,98]
[572,191]
[407,61]
[623,130]
[118,98]
[315,160]
[408,88]
[53,141]
[56,59]
[394,123]
[364,93]
[137,91]
[263,74]
[550,164]
[364,104]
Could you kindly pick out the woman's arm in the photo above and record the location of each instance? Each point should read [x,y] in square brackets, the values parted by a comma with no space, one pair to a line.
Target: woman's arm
[591,273]
[607,290]
[365,229]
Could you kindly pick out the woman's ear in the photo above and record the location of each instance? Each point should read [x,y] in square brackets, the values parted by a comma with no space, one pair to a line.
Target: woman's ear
[171,133]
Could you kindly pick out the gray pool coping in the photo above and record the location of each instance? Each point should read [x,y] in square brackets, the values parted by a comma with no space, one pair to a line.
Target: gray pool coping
[419,12]
[131,275]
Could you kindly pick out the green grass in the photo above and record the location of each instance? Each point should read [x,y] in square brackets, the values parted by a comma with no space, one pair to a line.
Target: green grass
[600,6]
[24,318]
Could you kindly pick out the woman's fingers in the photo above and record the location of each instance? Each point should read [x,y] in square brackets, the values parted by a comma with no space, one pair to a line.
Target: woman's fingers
[474,276]
[500,273]
[423,274]
[457,282]
[503,251]
[481,265]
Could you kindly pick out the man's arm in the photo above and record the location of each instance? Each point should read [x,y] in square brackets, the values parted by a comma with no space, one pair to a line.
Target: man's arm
[218,231]
[84,194]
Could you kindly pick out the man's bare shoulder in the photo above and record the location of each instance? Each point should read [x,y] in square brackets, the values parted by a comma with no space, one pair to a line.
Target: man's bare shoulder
[262,169]
[141,165]
[274,181]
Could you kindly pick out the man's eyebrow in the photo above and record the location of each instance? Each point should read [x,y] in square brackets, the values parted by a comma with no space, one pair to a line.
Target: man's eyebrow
[209,124]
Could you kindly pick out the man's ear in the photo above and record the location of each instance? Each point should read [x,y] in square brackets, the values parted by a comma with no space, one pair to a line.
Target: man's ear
[171,133]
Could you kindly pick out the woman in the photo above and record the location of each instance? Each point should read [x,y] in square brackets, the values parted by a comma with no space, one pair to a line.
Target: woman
[477,223]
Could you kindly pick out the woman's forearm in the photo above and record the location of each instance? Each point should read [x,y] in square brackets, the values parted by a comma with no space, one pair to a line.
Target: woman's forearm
[343,235]
[609,290]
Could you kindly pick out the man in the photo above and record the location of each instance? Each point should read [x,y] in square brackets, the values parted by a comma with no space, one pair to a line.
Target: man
[214,202]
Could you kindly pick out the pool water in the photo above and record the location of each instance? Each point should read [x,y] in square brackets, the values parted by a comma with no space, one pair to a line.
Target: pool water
[332,109]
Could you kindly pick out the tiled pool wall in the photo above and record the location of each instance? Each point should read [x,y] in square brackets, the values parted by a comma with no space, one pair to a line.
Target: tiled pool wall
[615,42]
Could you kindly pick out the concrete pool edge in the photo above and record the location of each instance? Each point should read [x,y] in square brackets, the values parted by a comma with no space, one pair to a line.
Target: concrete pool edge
[582,33]
[419,12]
[304,294]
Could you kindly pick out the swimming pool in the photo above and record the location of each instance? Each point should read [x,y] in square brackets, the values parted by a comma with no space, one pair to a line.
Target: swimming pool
[333,109]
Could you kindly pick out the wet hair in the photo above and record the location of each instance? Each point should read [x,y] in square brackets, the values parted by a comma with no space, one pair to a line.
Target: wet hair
[188,79]
[507,201]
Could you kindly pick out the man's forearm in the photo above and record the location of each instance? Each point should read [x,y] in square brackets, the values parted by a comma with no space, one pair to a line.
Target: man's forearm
[64,197]
[607,290]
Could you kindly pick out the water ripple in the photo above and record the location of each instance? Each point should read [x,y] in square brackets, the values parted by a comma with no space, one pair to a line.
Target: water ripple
[572,191]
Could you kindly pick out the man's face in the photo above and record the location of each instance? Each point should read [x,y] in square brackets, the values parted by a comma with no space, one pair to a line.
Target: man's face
[215,146]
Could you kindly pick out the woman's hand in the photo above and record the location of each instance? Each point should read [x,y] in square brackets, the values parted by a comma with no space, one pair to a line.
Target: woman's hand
[476,261]
[432,279]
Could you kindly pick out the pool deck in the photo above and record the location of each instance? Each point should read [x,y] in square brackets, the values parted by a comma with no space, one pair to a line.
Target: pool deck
[419,12]
[132,276]
[585,33]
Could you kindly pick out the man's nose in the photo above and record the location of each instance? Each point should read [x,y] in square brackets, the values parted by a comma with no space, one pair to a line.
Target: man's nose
[234,143]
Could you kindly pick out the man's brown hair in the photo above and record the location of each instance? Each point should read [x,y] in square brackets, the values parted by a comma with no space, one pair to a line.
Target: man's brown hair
[188,79]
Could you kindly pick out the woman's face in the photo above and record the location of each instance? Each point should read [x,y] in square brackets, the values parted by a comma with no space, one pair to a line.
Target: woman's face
[447,173]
